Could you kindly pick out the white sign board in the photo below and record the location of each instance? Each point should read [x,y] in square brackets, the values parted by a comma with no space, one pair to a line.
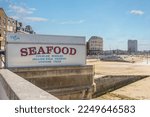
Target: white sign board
[25,50]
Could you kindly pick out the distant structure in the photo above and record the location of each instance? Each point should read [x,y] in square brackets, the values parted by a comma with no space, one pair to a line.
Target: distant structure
[95,45]
[8,24]
[11,25]
[3,27]
[87,48]
[132,46]
[21,29]
[29,29]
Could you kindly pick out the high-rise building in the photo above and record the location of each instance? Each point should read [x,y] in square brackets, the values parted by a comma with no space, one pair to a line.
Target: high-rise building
[95,45]
[132,46]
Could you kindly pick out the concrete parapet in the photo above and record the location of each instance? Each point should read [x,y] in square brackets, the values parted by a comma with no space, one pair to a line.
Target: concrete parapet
[17,88]
[105,84]
[65,82]
[3,95]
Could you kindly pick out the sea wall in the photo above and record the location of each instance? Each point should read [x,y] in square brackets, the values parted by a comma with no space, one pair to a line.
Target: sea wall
[64,82]
[105,84]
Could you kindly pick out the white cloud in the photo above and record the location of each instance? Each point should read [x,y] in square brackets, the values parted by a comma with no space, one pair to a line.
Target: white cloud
[21,9]
[24,14]
[137,12]
[72,22]
[36,19]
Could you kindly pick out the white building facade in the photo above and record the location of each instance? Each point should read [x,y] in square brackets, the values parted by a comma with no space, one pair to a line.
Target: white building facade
[95,44]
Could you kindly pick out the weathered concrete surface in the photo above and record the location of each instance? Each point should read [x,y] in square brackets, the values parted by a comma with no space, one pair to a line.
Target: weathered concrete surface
[65,82]
[3,95]
[136,91]
[18,88]
[105,84]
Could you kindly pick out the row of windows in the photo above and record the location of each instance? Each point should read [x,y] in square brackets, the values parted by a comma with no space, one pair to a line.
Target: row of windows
[96,41]
[95,48]
[96,44]
[4,20]
[11,22]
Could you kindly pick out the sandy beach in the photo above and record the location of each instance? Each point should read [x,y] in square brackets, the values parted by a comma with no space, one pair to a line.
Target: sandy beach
[141,66]
[134,91]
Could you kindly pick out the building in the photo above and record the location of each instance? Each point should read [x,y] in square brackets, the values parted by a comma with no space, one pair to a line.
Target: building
[87,48]
[11,25]
[95,45]
[8,24]
[29,29]
[26,30]
[20,28]
[3,27]
[132,46]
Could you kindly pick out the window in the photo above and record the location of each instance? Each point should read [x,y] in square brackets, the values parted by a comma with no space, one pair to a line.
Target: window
[8,22]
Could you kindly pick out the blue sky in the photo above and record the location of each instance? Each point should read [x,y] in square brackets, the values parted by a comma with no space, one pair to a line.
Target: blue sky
[114,20]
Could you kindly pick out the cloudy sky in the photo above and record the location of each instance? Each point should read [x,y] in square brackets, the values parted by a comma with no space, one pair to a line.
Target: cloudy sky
[114,20]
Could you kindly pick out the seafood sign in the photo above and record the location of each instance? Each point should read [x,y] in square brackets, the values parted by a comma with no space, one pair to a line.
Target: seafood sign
[23,50]
[47,50]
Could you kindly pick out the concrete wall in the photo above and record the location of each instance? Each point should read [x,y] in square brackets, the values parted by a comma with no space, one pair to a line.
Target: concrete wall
[14,87]
[65,82]
[106,84]
[3,94]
